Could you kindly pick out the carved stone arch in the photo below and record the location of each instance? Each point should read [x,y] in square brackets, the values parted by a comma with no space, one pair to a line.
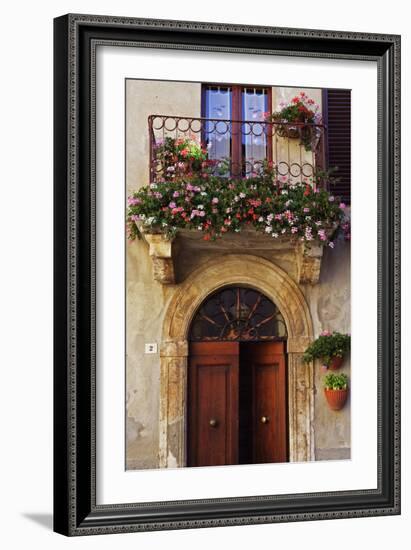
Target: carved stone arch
[277,285]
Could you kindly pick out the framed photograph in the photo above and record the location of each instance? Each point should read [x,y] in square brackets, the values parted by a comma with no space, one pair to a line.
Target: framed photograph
[227,277]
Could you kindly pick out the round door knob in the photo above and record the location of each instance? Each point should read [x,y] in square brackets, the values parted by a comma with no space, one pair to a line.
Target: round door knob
[265,419]
[213,422]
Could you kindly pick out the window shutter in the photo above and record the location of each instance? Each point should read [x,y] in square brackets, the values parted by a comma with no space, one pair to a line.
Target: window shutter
[338,120]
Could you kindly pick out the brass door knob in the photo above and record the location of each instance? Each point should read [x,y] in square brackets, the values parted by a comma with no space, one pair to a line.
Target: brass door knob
[265,419]
[213,422]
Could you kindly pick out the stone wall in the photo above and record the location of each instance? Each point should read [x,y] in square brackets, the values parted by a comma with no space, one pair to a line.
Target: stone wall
[147,300]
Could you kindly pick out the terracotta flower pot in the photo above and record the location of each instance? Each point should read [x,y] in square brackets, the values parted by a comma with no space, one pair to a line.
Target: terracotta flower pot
[336,398]
[336,363]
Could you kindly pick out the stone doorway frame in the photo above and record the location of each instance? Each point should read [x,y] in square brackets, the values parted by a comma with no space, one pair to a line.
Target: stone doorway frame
[278,286]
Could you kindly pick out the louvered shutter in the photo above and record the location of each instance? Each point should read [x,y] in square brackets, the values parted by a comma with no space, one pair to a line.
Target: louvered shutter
[337,113]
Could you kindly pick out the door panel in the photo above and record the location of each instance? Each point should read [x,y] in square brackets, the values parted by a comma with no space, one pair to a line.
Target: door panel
[269,415]
[213,404]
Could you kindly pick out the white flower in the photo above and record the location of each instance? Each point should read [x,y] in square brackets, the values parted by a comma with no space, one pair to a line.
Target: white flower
[275,235]
[242,195]
[260,219]
[200,207]
[283,230]
[268,229]
[236,198]
[284,192]
[203,194]
[200,227]
[151,220]
[153,185]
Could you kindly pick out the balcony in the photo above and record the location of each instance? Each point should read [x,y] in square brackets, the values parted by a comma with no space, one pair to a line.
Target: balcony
[186,150]
[234,148]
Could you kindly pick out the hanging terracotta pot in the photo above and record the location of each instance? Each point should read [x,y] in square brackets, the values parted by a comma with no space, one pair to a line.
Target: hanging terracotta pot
[336,398]
[336,362]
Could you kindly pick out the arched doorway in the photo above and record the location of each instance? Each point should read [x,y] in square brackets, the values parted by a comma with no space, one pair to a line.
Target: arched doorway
[235,270]
[236,384]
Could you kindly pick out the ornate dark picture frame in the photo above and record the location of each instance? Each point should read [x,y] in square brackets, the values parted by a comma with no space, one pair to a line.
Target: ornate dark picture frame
[75,42]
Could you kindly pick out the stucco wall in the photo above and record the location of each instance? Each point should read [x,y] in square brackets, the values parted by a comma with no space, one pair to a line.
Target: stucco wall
[145,297]
[329,301]
[291,150]
[330,306]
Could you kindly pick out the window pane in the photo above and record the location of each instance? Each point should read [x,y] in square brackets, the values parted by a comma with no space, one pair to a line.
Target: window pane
[218,134]
[254,105]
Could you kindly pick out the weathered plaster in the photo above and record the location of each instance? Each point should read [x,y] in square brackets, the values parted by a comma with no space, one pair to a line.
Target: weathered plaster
[330,308]
[145,297]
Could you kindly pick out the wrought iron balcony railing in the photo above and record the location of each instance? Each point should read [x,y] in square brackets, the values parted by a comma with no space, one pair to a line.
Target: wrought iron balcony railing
[187,145]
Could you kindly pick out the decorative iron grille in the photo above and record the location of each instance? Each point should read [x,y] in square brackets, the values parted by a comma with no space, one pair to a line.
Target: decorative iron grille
[236,148]
[238,314]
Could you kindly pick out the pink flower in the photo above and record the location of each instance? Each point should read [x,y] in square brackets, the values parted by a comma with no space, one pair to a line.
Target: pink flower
[325,333]
[342,205]
[176,194]
[214,200]
[306,210]
[132,201]
[172,205]
[322,235]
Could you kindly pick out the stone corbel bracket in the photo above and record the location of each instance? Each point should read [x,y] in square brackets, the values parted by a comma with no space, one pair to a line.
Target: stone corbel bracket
[162,255]
[161,252]
[309,263]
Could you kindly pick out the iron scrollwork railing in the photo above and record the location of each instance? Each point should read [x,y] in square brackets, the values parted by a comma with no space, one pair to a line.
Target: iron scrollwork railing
[235,148]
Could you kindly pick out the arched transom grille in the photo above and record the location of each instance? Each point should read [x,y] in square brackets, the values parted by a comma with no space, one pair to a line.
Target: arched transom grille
[240,314]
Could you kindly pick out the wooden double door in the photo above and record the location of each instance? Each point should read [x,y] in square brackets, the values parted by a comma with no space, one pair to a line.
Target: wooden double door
[237,403]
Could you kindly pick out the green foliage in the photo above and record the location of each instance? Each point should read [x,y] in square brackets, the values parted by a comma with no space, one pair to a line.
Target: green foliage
[215,205]
[301,110]
[327,346]
[178,156]
[336,381]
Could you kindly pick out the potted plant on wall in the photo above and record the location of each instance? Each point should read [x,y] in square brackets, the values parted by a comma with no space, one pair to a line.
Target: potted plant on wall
[299,116]
[336,390]
[330,347]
